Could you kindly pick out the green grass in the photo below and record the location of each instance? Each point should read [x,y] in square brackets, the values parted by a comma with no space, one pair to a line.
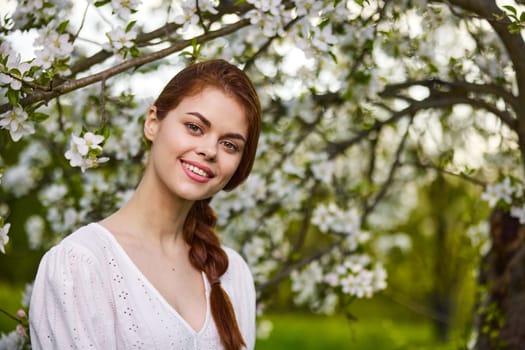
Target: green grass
[10,301]
[309,332]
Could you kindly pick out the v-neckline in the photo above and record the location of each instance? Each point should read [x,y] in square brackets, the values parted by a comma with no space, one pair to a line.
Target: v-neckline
[152,287]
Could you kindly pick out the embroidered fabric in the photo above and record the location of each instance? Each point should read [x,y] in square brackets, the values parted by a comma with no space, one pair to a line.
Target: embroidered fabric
[88,294]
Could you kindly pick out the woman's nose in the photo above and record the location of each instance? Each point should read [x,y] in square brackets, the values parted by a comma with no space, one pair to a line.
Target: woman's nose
[208,151]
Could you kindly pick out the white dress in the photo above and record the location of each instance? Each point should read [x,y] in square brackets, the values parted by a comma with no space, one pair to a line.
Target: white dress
[88,294]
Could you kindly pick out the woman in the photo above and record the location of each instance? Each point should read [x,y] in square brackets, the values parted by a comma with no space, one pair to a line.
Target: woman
[153,275]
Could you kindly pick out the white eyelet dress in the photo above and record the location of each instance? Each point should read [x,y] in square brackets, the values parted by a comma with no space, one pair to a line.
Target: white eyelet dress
[88,294]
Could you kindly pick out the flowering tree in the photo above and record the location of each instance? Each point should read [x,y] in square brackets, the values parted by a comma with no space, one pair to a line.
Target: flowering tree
[364,101]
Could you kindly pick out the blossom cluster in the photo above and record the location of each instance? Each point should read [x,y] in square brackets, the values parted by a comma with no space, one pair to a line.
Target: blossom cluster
[84,151]
[322,284]
[12,70]
[17,122]
[187,15]
[507,194]
[331,218]
[121,40]
[35,13]
[52,46]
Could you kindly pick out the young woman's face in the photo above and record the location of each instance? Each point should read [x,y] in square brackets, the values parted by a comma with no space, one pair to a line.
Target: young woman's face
[198,146]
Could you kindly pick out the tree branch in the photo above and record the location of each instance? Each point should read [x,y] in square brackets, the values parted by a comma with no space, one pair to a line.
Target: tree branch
[68,86]
[388,182]
[442,170]
[460,92]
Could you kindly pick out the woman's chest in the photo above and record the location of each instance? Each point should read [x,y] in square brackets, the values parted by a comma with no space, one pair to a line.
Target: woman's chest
[145,320]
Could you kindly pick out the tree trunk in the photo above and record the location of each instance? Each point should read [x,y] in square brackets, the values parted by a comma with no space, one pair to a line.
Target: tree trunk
[443,290]
[500,316]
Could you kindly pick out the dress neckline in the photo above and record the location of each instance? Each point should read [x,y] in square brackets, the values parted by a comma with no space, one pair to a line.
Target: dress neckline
[153,289]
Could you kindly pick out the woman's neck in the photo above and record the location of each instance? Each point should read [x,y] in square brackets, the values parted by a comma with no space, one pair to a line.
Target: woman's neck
[154,215]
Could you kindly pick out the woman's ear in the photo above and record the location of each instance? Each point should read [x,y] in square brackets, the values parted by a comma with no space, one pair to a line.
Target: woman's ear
[151,124]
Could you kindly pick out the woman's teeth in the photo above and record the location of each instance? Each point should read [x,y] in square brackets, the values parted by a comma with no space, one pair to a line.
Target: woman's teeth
[196,170]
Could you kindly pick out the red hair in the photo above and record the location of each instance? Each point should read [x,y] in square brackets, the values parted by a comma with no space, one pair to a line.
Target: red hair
[206,253]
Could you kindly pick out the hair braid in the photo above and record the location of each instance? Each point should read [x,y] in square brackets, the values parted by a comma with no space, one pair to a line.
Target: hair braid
[207,255]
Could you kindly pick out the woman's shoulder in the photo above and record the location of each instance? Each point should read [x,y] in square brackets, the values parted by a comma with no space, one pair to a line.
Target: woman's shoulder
[85,243]
[234,258]
[238,270]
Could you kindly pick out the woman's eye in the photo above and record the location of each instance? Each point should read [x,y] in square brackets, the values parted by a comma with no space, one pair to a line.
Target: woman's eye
[193,128]
[230,146]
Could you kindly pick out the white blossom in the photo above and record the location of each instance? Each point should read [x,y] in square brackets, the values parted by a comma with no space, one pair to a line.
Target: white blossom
[129,143]
[491,195]
[4,238]
[304,282]
[19,179]
[506,190]
[51,45]
[500,191]
[518,213]
[308,7]
[34,227]
[331,218]
[52,193]
[187,17]
[14,66]
[17,122]
[323,171]
[26,296]
[79,153]
[271,6]
[264,329]
[386,243]
[119,39]
[123,8]
[323,38]
[11,341]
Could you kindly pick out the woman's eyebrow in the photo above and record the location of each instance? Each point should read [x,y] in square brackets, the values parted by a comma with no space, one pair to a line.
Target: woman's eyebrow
[232,135]
[208,124]
[201,117]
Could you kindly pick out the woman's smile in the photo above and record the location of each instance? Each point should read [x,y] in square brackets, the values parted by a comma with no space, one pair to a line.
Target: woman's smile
[196,171]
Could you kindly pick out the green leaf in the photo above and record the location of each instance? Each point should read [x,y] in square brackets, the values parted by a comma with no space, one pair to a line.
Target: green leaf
[94,152]
[130,26]
[104,131]
[13,97]
[135,52]
[62,27]
[514,28]
[101,3]
[239,2]
[39,117]
[511,9]
[334,57]
[522,17]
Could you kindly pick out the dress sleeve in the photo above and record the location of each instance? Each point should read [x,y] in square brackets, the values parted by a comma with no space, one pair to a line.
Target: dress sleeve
[69,305]
[242,295]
